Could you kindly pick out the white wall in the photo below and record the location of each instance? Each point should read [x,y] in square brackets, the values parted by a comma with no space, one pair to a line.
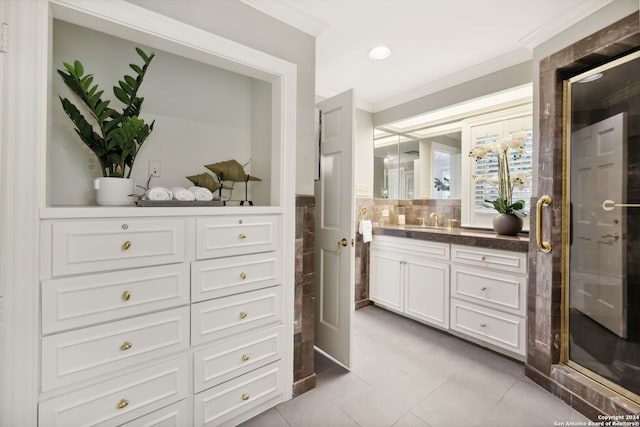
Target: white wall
[238,22]
[203,115]
[364,154]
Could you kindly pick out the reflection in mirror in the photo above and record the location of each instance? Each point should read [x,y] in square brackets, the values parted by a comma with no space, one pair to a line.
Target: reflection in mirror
[422,164]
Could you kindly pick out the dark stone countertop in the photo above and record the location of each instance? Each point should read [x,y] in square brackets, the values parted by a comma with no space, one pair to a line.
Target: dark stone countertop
[459,236]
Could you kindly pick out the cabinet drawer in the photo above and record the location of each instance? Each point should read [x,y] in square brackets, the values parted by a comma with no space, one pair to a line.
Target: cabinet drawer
[229,359]
[501,329]
[220,277]
[235,314]
[409,247]
[498,290]
[83,353]
[176,415]
[219,405]
[90,246]
[514,262]
[120,399]
[224,236]
[79,301]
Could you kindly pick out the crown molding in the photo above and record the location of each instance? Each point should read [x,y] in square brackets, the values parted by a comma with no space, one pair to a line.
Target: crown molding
[492,66]
[286,12]
[579,10]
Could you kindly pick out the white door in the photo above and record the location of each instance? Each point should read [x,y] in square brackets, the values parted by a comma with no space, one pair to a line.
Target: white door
[598,250]
[335,263]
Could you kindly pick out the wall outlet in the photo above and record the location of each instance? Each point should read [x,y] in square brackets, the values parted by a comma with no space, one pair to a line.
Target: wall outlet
[91,163]
[362,190]
[154,167]
[385,212]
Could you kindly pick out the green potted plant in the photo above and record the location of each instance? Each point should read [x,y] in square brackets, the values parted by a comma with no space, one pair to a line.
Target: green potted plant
[114,136]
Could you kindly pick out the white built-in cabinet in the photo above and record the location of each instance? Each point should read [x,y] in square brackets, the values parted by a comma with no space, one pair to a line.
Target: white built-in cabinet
[411,277]
[473,292]
[162,320]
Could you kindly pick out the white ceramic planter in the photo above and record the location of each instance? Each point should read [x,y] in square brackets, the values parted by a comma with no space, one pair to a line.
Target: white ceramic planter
[115,191]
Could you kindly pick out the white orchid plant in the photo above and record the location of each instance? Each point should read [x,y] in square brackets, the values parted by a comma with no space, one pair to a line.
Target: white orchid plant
[504,149]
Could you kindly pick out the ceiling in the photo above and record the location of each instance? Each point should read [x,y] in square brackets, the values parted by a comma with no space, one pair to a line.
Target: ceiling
[435,44]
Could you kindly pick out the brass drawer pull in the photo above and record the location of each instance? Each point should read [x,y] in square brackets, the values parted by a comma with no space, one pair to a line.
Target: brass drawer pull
[483,288]
[242,236]
[243,315]
[126,295]
[245,397]
[243,275]
[123,403]
[126,346]
[483,324]
[245,357]
[483,258]
[126,245]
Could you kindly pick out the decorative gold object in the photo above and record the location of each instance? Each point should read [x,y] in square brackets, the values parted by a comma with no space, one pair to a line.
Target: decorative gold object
[207,181]
[231,170]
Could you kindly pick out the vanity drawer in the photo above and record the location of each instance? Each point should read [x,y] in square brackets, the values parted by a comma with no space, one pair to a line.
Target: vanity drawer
[514,262]
[78,301]
[176,415]
[421,248]
[221,362]
[501,329]
[90,246]
[232,315]
[220,277]
[224,236]
[119,399]
[218,406]
[84,353]
[498,290]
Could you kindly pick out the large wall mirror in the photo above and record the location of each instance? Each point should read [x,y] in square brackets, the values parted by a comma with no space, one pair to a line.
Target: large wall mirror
[421,164]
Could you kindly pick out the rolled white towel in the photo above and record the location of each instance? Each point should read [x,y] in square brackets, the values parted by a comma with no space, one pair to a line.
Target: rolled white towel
[182,194]
[159,193]
[201,193]
[366,229]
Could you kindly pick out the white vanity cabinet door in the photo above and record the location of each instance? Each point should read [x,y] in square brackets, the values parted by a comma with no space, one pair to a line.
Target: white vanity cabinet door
[119,399]
[78,301]
[224,236]
[101,245]
[386,285]
[427,290]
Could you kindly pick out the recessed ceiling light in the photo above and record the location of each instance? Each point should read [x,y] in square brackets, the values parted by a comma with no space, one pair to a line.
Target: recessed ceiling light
[591,78]
[379,52]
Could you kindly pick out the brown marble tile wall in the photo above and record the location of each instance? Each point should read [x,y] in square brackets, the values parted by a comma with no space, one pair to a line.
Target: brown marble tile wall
[545,270]
[362,255]
[413,209]
[304,377]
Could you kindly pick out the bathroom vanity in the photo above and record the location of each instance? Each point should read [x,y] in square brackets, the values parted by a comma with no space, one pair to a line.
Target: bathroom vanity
[470,283]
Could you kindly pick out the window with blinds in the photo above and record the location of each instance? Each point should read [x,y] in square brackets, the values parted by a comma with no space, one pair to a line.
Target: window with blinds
[480,174]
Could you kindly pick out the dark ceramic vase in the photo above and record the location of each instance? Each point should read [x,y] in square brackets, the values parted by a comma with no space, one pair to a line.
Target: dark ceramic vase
[507,224]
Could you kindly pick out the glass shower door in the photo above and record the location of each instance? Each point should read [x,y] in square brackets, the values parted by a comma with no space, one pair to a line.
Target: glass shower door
[602,288]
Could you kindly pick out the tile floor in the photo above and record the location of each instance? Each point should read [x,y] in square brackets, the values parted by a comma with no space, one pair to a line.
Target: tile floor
[406,374]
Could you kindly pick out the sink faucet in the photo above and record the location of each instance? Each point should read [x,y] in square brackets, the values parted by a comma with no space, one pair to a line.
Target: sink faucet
[434,215]
[422,224]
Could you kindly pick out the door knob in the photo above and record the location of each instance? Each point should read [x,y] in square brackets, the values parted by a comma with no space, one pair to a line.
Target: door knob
[614,235]
[344,242]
